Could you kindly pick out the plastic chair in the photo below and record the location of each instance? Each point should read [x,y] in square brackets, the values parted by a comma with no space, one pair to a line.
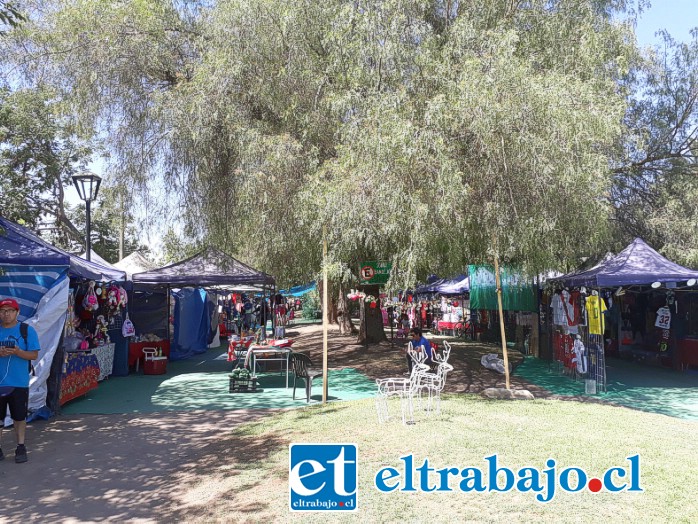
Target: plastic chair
[148,354]
[301,365]
[158,363]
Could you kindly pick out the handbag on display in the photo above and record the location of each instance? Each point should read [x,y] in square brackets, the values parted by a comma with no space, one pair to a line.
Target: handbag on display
[127,328]
[89,303]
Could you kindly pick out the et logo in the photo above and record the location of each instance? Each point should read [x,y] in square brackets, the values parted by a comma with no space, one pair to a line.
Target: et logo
[322,477]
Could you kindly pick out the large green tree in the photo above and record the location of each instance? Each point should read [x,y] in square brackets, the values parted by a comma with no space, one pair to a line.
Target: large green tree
[430,133]
[40,151]
[656,174]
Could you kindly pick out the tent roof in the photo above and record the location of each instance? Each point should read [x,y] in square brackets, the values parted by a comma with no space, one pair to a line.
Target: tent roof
[210,267]
[20,246]
[299,291]
[446,286]
[455,286]
[94,257]
[637,264]
[135,263]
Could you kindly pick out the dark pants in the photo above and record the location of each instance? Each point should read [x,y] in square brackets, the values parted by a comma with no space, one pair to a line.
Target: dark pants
[410,362]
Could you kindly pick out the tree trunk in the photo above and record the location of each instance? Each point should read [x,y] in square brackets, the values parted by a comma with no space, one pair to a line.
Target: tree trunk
[343,317]
[371,327]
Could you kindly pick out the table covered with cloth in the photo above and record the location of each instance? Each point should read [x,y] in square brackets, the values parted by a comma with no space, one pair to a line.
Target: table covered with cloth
[276,350]
[238,347]
[79,375]
[105,357]
[443,325]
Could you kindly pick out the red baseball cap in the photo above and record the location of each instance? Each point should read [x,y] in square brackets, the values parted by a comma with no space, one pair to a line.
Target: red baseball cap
[9,302]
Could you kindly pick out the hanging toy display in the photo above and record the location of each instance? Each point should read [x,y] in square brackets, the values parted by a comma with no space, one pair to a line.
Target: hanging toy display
[72,321]
[101,335]
[90,303]
[113,299]
[123,297]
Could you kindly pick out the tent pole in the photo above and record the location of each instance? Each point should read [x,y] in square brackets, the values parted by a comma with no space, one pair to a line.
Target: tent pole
[167,314]
[324,314]
[272,306]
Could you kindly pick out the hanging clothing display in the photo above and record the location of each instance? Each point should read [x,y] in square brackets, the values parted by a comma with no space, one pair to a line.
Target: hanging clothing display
[595,307]
[579,358]
[663,318]
[559,318]
[570,306]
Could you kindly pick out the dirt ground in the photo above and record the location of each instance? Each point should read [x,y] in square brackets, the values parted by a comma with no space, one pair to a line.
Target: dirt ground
[132,468]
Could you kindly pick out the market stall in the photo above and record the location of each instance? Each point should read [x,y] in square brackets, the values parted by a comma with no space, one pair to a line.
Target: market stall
[194,313]
[636,304]
[39,276]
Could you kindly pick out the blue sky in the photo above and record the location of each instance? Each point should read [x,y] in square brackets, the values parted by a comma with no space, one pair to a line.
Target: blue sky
[676,16]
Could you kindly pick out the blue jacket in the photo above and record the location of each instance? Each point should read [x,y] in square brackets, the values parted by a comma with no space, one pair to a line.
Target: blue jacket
[423,342]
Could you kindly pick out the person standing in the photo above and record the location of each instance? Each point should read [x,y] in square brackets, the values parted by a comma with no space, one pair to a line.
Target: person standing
[16,354]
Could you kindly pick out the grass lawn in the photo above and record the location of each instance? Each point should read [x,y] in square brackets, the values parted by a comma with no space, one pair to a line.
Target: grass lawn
[246,477]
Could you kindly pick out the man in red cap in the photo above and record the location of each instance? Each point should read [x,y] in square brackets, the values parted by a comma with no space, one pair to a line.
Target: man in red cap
[15,353]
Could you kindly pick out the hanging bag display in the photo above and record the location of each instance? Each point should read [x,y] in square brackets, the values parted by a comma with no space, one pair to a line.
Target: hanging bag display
[128,329]
[89,303]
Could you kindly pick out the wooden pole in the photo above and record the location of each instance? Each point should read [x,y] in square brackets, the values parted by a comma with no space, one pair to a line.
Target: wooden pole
[324,315]
[501,319]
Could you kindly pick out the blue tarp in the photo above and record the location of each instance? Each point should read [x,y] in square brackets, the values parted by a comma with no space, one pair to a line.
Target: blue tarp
[637,264]
[19,246]
[192,323]
[299,291]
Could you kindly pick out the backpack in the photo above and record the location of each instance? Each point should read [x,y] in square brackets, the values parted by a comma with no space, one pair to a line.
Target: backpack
[24,331]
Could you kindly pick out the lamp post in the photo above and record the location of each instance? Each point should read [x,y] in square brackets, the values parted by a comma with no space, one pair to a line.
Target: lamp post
[87,185]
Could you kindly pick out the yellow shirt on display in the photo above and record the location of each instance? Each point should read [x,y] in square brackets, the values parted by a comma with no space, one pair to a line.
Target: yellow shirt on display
[595,307]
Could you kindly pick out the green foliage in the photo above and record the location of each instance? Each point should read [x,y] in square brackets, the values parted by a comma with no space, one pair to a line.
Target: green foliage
[655,181]
[105,226]
[176,249]
[10,15]
[425,133]
[310,302]
[39,153]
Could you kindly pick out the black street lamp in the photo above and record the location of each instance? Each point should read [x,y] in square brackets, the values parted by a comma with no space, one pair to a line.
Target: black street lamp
[87,185]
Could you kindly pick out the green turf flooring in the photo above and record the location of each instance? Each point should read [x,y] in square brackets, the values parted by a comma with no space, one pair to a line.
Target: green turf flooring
[646,388]
[202,383]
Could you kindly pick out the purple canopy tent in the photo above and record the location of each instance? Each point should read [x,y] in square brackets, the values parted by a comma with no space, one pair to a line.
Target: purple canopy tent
[637,264]
[455,286]
[458,285]
[210,267]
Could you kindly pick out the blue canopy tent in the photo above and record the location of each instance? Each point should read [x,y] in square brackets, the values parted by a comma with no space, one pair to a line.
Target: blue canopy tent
[433,282]
[299,291]
[210,268]
[637,264]
[459,285]
[36,274]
